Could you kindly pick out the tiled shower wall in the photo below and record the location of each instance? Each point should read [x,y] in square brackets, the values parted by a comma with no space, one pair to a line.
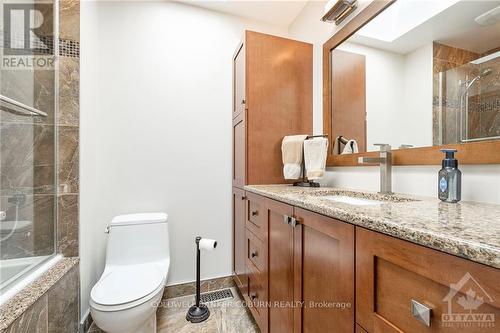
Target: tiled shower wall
[33,165]
[57,311]
[67,124]
[452,65]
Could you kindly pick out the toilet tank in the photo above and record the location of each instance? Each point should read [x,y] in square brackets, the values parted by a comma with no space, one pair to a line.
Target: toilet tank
[137,239]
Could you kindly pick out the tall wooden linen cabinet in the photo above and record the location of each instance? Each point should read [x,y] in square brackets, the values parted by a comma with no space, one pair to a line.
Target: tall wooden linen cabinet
[272,97]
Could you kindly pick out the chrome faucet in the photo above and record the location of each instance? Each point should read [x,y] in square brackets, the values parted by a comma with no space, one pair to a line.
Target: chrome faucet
[385,162]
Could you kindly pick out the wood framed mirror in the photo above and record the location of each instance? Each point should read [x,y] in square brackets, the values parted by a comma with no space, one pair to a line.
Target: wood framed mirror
[424,82]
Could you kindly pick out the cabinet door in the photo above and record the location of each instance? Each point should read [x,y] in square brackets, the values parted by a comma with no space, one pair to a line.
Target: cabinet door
[392,274]
[239,150]
[281,267]
[239,81]
[239,238]
[325,273]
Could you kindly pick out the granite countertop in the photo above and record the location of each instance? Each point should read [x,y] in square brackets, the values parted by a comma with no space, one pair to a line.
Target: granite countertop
[469,230]
[14,307]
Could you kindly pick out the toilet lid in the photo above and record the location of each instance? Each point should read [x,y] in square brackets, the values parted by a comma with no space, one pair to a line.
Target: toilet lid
[125,284]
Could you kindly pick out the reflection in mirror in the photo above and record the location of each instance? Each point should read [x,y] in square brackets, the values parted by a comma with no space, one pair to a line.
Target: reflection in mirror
[421,73]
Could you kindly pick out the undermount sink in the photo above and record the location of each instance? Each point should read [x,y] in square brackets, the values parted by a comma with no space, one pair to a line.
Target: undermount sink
[352,200]
[356,198]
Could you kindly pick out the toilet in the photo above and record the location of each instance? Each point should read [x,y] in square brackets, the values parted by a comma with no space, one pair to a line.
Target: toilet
[137,261]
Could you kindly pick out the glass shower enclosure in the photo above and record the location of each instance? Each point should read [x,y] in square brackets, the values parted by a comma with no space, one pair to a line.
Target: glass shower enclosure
[28,149]
[467,101]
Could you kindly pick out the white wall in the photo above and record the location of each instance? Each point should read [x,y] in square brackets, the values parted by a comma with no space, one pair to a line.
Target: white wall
[480,182]
[156,127]
[416,102]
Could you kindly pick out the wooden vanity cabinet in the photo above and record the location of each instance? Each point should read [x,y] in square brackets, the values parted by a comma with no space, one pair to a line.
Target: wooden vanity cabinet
[256,258]
[239,238]
[272,97]
[311,271]
[391,273]
[324,273]
[306,272]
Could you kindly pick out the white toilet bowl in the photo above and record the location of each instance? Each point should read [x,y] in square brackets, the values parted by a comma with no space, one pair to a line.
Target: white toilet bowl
[125,298]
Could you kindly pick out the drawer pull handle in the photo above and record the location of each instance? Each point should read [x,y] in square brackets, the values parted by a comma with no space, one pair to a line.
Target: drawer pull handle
[254,254]
[253,296]
[286,219]
[294,222]
[255,212]
[421,312]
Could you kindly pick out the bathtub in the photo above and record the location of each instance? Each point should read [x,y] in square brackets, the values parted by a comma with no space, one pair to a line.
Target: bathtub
[15,274]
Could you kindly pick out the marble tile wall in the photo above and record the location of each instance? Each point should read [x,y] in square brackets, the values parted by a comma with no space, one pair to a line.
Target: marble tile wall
[56,311]
[483,101]
[449,61]
[27,146]
[27,170]
[67,123]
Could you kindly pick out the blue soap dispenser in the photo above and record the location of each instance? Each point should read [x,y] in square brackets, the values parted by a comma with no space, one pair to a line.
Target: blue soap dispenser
[450,178]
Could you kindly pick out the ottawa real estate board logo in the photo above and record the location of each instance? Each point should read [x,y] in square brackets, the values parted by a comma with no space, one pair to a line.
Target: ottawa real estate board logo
[467,305]
[27,36]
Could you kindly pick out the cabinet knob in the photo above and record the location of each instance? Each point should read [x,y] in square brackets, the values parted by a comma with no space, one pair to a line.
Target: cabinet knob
[243,101]
[421,312]
[253,296]
[286,219]
[255,212]
[293,222]
[254,254]
[243,198]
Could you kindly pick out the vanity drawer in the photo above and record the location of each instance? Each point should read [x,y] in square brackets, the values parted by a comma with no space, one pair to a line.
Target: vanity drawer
[393,277]
[255,251]
[255,212]
[257,295]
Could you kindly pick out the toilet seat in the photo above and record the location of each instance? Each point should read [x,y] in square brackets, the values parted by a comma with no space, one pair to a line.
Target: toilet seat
[123,287]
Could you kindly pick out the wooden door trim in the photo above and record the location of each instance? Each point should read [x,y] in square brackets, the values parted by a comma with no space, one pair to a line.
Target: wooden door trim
[485,152]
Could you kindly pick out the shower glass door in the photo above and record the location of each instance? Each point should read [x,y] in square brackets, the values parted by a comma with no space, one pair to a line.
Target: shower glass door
[27,137]
[469,97]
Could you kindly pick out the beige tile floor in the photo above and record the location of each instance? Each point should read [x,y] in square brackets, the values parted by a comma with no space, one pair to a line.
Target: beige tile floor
[225,317]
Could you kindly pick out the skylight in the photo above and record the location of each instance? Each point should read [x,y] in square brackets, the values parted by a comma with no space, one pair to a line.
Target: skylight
[402,17]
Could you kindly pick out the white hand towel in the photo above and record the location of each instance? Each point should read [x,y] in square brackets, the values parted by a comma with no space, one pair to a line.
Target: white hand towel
[315,151]
[351,147]
[292,152]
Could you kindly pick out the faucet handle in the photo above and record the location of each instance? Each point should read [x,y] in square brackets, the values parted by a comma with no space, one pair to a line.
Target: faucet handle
[383,146]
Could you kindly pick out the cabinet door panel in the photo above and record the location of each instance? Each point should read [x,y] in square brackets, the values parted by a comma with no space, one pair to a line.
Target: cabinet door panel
[239,150]
[239,81]
[239,237]
[391,274]
[281,267]
[327,273]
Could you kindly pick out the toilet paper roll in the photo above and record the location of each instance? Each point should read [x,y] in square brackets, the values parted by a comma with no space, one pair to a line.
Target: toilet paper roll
[208,244]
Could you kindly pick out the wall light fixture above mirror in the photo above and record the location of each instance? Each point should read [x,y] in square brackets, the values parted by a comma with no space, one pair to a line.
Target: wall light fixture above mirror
[417,75]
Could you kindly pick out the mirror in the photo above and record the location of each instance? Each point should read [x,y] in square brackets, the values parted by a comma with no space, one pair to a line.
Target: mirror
[420,74]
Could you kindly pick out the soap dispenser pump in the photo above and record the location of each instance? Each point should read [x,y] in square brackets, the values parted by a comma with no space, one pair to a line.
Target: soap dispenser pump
[450,178]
